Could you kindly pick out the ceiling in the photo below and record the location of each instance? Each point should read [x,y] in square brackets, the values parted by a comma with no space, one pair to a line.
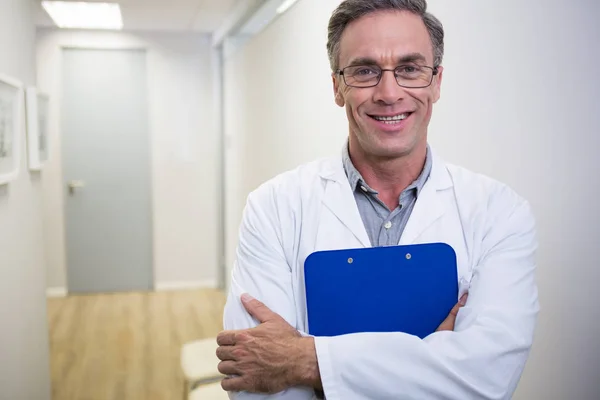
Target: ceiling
[162,15]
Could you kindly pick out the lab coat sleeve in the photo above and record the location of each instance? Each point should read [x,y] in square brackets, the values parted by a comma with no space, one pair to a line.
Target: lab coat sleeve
[261,270]
[482,359]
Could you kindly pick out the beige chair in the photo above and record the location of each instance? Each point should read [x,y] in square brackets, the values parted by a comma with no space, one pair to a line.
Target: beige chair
[199,363]
[209,392]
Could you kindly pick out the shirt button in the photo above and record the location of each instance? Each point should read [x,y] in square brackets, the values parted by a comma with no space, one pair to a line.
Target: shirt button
[388,225]
[364,189]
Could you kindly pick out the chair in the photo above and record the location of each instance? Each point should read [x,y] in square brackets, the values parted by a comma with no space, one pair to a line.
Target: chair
[199,363]
[209,392]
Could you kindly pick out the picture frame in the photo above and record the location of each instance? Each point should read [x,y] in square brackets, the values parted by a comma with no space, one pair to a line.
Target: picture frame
[37,106]
[11,112]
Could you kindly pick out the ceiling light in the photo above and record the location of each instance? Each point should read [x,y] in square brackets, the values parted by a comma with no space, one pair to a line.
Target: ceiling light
[285,6]
[81,15]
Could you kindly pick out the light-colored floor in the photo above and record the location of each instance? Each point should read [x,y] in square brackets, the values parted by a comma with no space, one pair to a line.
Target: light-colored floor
[127,346]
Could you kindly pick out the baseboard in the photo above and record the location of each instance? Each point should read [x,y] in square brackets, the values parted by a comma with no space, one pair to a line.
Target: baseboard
[56,292]
[186,285]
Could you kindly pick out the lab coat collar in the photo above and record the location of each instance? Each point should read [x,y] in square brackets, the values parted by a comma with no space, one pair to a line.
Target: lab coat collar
[339,199]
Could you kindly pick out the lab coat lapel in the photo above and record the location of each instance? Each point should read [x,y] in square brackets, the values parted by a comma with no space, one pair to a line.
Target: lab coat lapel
[339,199]
[430,205]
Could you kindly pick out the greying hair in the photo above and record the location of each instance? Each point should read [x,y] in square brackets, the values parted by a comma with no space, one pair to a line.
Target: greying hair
[351,10]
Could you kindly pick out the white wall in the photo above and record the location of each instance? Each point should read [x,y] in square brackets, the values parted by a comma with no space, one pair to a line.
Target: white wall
[185,156]
[279,109]
[519,103]
[24,359]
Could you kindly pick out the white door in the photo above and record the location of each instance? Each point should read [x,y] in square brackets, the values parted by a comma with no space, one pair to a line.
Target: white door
[106,170]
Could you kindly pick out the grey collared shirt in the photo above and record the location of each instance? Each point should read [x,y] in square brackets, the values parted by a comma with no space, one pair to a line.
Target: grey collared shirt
[384,226]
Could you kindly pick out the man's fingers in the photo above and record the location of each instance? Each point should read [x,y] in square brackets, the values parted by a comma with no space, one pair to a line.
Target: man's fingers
[448,324]
[257,309]
[226,338]
[234,384]
[225,353]
[228,368]
[459,305]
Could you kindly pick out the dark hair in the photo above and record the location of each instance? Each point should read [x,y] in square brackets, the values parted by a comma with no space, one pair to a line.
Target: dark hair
[351,10]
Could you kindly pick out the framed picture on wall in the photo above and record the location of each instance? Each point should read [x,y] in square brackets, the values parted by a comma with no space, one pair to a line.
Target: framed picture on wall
[11,108]
[37,105]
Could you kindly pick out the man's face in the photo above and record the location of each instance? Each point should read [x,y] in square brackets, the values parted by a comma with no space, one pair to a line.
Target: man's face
[385,39]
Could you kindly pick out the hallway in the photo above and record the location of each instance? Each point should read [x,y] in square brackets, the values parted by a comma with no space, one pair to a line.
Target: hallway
[127,346]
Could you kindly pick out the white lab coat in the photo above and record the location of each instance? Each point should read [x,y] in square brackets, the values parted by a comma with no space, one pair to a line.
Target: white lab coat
[489,226]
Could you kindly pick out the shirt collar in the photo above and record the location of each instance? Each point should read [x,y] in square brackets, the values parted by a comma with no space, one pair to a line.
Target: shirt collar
[356,180]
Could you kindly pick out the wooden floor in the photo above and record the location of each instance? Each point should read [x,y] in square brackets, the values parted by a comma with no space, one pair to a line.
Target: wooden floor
[127,346]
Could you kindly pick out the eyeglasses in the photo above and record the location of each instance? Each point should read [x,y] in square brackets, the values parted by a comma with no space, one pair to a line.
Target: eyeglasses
[411,76]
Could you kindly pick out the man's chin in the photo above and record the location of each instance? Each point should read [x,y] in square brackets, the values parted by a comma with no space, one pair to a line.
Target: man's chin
[392,146]
[391,152]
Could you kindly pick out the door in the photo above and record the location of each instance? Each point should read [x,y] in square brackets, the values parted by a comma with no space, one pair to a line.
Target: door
[106,170]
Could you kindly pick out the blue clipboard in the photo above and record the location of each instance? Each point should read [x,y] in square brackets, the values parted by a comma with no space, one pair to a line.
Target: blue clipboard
[408,289]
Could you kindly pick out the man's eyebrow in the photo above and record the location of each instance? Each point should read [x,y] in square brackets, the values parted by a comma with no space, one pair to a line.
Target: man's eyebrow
[412,57]
[407,58]
[362,61]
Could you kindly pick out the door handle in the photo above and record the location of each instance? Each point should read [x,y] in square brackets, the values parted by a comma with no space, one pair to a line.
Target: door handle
[75,185]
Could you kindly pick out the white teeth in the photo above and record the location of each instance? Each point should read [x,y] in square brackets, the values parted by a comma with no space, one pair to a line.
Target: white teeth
[394,118]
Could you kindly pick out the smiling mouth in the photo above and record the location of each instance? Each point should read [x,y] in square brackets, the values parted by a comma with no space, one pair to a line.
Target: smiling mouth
[391,120]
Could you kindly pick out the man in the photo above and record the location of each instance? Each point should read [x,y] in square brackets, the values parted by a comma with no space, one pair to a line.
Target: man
[388,187]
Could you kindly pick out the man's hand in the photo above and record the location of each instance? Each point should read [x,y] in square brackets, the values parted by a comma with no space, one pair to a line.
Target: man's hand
[273,356]
[448,324]
[267,359]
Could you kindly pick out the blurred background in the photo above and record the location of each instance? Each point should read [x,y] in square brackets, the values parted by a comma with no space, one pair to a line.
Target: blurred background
[162,116]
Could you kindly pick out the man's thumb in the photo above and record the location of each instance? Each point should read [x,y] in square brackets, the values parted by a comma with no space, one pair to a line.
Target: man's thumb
[257,309]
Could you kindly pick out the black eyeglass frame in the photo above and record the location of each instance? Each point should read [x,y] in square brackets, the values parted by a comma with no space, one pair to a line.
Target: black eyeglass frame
[434,70]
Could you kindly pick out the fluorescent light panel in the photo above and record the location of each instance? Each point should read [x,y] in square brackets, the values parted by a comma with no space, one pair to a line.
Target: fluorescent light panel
[285,6]
[80,15]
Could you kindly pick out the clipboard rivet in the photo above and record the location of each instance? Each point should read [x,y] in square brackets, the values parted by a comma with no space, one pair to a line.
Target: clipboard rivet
[408,256]
[350,261]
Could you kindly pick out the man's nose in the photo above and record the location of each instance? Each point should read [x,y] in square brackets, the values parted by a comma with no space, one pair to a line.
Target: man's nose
[388,91]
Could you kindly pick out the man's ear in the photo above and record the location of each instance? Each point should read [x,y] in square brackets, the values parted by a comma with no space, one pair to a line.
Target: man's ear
[438,84]
[339,99]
